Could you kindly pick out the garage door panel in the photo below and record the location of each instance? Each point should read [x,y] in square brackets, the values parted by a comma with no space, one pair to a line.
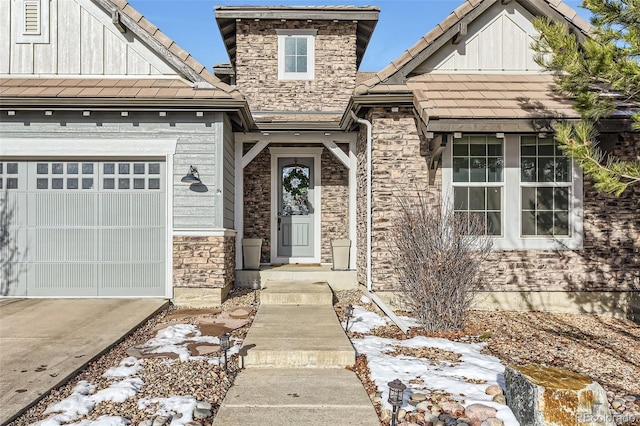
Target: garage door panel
[128,278]
[62,279]
[85,228]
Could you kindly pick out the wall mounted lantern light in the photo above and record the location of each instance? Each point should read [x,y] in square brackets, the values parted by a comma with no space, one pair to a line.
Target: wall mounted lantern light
[192,176]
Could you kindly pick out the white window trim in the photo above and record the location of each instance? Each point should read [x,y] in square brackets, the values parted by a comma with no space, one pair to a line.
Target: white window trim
[511,203]
[310,36]
[18,25]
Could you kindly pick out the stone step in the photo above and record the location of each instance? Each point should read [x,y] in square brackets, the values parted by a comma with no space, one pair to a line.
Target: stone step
[294,336]
[296,293]
[297,396]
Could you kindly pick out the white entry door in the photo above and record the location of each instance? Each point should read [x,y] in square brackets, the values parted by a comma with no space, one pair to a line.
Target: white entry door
[296,209]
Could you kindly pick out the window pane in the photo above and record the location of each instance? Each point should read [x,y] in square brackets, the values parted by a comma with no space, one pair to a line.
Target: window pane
[138,168]
[57,183]
[87,183]
[301,64]
[460,197]
[460,149]
[72,183]
[154,183]
[544,199]
[12,183]
[123,168]
[1,181]
[494,149]
[42,168]
[476,199]
[544,223]
[1,164]
[154,168]
[528,223]
[478,149]
[461,170]
[461,219]
[138,184]
[123,183]
[494,223]
[528,198]
[546,169]
[290,63]
[109,183]
[561,198]
[528,169]
[87,168]
[477,223]
[494,174]
[478,172]
[301,46]
[109,168]
[42,183]
[72,168]
[561,223]
[290,46]
[12,168]
[57,168]
[546,147]
[528,146]
[563,165]
[494,198]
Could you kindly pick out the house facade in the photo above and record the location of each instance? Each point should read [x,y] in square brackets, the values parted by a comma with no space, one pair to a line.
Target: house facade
[290,144]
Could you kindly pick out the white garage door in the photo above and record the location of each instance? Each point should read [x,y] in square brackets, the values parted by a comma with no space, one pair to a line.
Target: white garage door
[83,228]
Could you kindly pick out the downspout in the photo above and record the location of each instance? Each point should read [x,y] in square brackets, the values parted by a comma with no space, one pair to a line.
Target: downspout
[383,306]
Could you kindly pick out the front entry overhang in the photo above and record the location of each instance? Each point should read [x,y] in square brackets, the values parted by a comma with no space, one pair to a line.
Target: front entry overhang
[261,140]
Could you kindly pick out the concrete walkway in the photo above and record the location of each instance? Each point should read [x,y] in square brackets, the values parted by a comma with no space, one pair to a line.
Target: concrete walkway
[295,356]
[44,342]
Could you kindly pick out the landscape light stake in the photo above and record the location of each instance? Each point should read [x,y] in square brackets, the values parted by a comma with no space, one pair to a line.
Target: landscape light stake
[224,345]
[396,395]
[256,287]
[348,314]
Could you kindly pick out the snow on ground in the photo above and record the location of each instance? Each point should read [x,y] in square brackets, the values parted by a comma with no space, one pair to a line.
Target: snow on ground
[84,397]
[455,378]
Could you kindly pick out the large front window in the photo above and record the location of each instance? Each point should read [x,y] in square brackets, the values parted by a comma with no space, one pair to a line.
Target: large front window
[522,189]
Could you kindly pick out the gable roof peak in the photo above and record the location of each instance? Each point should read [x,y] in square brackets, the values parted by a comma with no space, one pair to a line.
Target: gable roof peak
[455,25]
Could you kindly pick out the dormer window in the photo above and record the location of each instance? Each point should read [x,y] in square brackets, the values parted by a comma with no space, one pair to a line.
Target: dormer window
[31,21]
[296,54]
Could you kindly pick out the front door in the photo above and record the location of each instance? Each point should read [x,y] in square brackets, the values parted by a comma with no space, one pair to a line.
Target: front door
[296,210]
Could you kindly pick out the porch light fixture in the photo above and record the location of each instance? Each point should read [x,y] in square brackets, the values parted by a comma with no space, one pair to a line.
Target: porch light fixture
[348,314]
[224,345]
[396,395]
[192,176]
[255,286]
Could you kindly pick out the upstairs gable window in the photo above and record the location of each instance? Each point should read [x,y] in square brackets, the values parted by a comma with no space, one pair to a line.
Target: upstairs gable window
[296,54]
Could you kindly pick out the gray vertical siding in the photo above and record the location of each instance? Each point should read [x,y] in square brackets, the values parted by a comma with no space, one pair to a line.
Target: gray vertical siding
[228,183]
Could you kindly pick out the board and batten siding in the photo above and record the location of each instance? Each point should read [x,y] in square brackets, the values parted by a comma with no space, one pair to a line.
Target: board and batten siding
[200,207]
[82,41]
[497,41]
[228,183]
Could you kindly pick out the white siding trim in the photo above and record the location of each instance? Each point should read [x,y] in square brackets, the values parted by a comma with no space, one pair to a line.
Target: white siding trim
[41,33]
[80,148]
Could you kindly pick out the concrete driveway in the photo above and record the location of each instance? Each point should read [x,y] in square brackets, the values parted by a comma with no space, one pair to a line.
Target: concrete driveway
[44,342]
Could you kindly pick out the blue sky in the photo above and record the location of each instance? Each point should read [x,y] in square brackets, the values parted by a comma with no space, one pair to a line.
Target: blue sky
[191,24]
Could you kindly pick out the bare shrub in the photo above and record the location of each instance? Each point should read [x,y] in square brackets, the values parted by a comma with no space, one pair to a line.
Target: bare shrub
[438,257]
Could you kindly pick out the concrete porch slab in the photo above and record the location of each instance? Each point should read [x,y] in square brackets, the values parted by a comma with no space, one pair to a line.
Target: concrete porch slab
[337,280]
[44,342]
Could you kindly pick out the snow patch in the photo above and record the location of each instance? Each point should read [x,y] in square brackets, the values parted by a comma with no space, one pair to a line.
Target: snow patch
[183,405]
[128,367]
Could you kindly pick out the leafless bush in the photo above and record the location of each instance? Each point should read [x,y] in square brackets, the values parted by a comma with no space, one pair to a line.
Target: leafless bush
[438,257]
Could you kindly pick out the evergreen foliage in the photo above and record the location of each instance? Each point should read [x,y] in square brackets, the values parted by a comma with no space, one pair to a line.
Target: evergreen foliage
[602,75]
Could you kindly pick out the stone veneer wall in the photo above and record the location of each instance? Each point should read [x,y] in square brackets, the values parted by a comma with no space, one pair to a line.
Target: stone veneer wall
[609,261]
[257,200]
[257,67]
[335,201]
[203,262]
